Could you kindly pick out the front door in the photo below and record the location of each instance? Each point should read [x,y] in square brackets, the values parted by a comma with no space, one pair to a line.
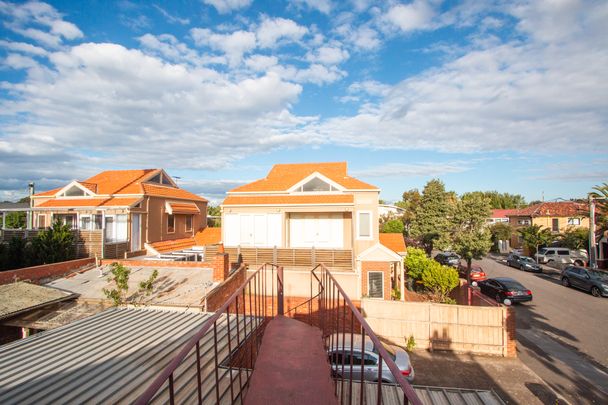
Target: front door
[135,232]
[318,230]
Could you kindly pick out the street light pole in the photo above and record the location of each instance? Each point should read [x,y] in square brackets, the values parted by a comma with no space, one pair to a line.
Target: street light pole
[592,258]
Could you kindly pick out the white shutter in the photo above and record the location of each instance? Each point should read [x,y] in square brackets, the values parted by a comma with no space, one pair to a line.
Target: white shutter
[260,236]
[232,229]
[274,230]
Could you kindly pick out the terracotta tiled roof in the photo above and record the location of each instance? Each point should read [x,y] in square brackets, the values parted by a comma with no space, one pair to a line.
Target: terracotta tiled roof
[163,191]
[283,176]
[554,209]
[173,245]
[90,202]
[503,213]
[393,241]
[48,193]
[127,182]
[208,236]
[184,208]
[290,199]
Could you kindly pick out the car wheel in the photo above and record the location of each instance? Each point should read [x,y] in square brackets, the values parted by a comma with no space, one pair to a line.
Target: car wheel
[596,292]
[498,299]
[522,267]
[565,282]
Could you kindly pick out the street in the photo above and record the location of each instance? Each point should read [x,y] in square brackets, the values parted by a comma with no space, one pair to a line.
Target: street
[561,335]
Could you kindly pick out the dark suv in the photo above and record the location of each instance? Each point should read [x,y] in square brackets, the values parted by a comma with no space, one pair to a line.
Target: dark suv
[594,281]
[448,259]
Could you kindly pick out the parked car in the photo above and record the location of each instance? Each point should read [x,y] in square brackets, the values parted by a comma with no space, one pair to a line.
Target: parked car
[341,355]
[524,263]
[501,288]
[594,281]
[477,273]
[448,259]
[563,255]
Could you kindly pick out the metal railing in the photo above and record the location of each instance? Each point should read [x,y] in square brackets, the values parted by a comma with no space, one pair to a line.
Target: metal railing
[219,359]
[340,322]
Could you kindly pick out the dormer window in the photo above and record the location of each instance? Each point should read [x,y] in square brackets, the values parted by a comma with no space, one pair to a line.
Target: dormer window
[316,184]
[160,178]
[73,191]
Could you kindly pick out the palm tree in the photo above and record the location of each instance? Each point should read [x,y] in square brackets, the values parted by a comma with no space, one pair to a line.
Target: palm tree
[534,236]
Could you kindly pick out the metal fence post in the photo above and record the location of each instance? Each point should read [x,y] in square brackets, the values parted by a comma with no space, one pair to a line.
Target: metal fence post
[280,290]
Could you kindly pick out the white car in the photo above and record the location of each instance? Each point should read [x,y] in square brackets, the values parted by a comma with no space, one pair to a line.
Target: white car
[562,255]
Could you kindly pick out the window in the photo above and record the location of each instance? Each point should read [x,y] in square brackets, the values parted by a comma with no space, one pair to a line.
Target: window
[73,192]
[170,223]
[369,359]
[188,223]
[364,225]
[41,221]
[316,184]
[563,252]
[555,225]
[375,284]
[97,221]
[85,222]
[116,228]
[574,221]
[67,219]
[156,179]
[523,222]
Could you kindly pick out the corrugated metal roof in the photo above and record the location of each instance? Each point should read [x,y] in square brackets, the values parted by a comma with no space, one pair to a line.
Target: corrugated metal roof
[19,297]
[111,357]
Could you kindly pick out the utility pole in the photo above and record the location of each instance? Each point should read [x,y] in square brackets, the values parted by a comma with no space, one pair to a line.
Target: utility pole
[592,259]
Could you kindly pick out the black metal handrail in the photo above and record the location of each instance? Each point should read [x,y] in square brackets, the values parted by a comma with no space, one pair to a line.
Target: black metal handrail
[248,301]
[312,298]
[333,316]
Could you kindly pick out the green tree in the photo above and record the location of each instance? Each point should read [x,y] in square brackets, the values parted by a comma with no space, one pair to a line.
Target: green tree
[535,236]
[410,201]
[415,262]
[600,193]
[55,244]
[214,211]
[392,226]
[575,238]
[18,253]
[467,235]
[500,231]
[500,200]
[439,280]
[432,214]
[120,277]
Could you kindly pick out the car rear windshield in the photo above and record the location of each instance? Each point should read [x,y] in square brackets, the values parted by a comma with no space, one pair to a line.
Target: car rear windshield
[389,349]
[512,285]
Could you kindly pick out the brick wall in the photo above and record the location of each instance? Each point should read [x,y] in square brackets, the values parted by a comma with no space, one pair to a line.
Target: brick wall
[219,295]
[510,332]
[36,274]
[384,267]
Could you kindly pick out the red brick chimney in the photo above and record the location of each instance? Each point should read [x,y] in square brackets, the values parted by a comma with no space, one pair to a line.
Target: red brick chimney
[221,265]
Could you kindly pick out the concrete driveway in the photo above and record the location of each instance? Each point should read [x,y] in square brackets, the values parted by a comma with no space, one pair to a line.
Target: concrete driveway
[561,334]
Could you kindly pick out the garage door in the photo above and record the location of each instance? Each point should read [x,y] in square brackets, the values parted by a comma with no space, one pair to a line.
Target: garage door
[318,230]
[252,230]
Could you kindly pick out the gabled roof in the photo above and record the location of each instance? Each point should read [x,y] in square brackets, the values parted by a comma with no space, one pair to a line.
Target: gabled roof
[393,241]
[283,176]
[553,209]
[208,236]
[90,202]
[123,182]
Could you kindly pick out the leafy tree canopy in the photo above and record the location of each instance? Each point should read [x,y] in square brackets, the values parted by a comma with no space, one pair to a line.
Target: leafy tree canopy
[535,236]
[501,231]
[393,226]
[432,213]
[500,200]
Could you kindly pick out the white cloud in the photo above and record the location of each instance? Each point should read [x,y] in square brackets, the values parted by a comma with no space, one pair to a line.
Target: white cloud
[24,15]
[23,48]
[422,169]
[233,45]
[160,114]
[363,38]
[272,31]
[261,63]
[413,16]
[328,55]
[324,6]
[370,87]
[315,73]
[171,18]
[227,6]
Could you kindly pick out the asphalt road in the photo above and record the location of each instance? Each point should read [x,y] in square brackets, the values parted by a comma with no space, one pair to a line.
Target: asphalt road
[562,335]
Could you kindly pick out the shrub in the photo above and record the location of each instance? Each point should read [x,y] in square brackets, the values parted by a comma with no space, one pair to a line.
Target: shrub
[415,262]
[410,345]
[439,280]
[55,244]
[393,226]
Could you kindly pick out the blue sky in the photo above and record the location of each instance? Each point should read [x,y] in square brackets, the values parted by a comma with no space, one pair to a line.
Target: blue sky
[485,95]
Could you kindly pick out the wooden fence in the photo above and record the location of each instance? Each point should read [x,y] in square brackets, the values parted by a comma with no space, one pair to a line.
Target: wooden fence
[458,328]
[332,258]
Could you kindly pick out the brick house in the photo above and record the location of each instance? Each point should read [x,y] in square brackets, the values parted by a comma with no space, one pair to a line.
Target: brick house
[119,211]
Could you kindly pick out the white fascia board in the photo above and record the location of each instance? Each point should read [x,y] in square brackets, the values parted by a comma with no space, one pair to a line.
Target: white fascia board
[312,176]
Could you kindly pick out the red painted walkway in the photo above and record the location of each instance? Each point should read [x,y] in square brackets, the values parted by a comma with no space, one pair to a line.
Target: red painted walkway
[291,367]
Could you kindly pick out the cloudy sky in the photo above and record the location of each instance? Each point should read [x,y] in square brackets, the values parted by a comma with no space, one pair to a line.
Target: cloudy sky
[486,95]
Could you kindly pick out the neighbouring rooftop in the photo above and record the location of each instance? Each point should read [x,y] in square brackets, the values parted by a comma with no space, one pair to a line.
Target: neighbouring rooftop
[16,298]
[174,286]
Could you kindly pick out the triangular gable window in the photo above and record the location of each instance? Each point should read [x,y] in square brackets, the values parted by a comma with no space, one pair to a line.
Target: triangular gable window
[316,184]
[74,192]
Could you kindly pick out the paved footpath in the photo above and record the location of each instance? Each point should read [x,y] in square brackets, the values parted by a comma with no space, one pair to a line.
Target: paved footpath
[562,335]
